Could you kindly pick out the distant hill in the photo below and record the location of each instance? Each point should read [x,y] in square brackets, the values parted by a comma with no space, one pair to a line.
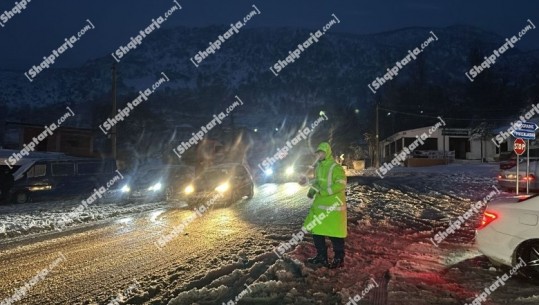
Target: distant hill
[332,75]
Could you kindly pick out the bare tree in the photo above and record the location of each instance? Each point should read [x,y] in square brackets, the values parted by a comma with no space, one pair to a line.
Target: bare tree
[481,132]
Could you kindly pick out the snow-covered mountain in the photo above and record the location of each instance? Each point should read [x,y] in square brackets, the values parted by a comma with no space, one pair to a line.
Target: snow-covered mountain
[335,71]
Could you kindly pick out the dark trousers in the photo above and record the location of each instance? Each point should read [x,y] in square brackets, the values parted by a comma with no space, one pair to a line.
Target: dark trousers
[321,249]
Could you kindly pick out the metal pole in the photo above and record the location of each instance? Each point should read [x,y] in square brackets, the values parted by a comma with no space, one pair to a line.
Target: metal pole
[481,140]
[527,166]
[517,177]
[377,151]
[113,134]
[446,156]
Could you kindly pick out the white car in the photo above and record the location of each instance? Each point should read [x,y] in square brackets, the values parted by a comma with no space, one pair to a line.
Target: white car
[509,231]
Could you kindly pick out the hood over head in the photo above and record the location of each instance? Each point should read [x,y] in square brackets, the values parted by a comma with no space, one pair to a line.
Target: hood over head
[325,147]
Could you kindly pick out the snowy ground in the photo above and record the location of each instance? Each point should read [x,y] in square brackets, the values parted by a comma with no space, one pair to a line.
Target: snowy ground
[227,254]
[22,220]
[391,222]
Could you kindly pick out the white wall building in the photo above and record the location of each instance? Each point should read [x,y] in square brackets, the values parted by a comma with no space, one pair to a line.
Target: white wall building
[455,140]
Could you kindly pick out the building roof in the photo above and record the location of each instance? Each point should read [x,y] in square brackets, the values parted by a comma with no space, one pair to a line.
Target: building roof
[63,127]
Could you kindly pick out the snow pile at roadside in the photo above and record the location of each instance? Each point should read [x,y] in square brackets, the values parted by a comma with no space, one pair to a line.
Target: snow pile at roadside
[288,281]
[474,168]
[40,217]
[266,281]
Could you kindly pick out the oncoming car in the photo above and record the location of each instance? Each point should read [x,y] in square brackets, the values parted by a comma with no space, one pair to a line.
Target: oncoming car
[509,232]
[290,170]
[226,183]
[158,183]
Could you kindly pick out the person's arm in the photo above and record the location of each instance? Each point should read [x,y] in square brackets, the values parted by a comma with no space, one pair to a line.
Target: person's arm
[338,182]
[314,189]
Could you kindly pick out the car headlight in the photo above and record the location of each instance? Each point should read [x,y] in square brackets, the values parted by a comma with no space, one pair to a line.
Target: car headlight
[155,187]
[268,172]
[40,188]
[223,187]
[189,189]
[125,189]
[289,170]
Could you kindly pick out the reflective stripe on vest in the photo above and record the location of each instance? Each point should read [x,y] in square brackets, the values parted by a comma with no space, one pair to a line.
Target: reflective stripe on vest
[330,178]
[331,208]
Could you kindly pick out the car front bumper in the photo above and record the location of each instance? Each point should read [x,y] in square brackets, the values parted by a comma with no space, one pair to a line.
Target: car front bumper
[208,197]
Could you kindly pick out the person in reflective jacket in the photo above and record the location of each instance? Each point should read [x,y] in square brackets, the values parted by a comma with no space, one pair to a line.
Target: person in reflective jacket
[327,216]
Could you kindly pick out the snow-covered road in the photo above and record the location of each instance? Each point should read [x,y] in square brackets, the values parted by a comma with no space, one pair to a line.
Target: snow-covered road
[228,252]
[107,258]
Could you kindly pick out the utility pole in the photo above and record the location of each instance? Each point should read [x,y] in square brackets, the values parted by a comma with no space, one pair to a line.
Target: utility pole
[377,142]
[233,126]
[113,134]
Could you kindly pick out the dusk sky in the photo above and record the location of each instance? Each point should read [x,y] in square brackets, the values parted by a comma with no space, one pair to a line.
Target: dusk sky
[42,26]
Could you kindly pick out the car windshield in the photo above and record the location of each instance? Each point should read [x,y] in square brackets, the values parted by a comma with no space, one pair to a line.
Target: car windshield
[149,176]
[522,168]
[215,174]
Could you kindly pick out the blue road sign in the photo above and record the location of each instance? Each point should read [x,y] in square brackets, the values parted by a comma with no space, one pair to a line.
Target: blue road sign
[524,134]
[528,126]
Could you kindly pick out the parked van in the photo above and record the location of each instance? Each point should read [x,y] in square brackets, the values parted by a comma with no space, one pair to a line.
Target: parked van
[60,176]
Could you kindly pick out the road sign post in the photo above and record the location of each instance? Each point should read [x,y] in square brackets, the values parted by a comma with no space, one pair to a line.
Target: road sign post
[526,131]
[528,167]
[518,175]
[519,147]
[529,129]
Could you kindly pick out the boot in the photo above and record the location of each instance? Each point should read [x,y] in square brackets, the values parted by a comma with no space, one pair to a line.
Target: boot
[321,257]
[338,262]
[318,260]
[338,249]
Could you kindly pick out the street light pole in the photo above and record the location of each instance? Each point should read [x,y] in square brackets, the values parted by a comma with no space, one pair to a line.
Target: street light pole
[377,142]
[113,132]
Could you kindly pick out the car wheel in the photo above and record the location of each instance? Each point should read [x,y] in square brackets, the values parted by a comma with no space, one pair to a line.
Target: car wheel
[233,198]
[21,197]
[529,252]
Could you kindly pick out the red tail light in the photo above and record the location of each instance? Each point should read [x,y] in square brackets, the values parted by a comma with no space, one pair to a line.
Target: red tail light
[488,217]
[530,177]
